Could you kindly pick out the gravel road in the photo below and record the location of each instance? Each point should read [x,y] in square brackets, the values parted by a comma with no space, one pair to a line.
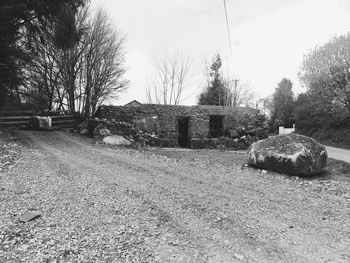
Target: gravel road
[103,204]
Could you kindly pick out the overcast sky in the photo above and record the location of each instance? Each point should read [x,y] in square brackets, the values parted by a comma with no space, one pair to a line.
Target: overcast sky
[269,37]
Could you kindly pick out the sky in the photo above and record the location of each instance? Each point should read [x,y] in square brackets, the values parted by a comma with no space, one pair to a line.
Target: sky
[269,38]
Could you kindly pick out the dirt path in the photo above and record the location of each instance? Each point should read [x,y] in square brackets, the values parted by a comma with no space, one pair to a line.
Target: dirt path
[339,154]
[100,204]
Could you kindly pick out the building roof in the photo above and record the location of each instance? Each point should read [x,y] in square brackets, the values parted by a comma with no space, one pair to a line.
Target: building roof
[133,103]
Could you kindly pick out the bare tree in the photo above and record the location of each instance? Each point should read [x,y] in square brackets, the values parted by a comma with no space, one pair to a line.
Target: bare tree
[266,105]
[172,76]
[71,63]
[42,74]
[80,76]
[103,63]
[239,93]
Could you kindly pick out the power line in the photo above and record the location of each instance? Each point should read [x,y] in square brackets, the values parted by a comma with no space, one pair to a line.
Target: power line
[228,27]
[231,53]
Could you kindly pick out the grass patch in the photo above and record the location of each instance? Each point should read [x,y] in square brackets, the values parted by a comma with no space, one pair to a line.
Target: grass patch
[336,144]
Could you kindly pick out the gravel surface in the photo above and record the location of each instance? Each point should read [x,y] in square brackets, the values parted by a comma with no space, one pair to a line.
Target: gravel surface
[68,199]
[9,151]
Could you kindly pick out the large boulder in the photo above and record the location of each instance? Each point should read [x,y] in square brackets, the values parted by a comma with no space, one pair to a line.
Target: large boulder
[291,154]
[116,140]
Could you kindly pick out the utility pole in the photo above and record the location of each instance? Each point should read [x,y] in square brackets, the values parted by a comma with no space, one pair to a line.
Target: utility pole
[235,93]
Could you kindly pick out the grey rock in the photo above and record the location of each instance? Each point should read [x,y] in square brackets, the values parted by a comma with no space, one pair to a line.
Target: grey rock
[104,132]
[116,140]
[290,154]
[29,216]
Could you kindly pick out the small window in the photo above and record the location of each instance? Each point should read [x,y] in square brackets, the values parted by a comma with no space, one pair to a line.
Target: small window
[215,126]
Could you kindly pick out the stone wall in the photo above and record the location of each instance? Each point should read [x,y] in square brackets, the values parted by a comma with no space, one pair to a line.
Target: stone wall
[162,119]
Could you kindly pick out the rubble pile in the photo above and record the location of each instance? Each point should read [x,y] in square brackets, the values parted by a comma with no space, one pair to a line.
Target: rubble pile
[104,127]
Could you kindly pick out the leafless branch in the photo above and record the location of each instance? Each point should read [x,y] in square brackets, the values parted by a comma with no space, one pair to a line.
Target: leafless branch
[173,75]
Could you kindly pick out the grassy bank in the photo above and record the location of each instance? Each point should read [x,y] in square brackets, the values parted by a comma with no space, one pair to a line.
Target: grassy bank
[330,136]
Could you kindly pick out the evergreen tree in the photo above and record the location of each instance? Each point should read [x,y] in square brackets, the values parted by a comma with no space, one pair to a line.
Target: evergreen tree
[283,112]
[216,92]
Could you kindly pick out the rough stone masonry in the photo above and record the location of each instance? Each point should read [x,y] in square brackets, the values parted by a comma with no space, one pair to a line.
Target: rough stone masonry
[164,120]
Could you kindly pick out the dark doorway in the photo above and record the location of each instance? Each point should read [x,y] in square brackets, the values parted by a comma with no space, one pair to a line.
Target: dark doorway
[183,140]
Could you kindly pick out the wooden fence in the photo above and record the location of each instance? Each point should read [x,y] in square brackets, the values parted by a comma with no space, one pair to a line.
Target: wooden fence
[24,119]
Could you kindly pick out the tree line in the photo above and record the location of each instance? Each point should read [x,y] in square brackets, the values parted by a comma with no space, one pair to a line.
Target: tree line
[59,55]
[325,74]
[325,104]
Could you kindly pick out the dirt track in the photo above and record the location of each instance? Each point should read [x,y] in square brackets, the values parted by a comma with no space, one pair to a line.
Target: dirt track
[100,204]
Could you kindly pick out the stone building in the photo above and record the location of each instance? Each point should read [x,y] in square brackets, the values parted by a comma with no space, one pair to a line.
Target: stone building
[185,125]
